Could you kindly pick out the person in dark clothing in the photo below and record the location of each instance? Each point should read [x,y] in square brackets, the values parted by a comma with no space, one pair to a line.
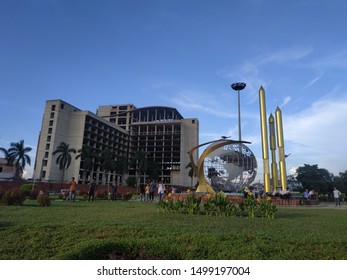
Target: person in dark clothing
[114,190]
[92,189]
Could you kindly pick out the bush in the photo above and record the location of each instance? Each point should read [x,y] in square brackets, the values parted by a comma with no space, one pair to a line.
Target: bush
[13,197]
[28,188]
[101,194]
[43,199]
[124,196]
[33,194]
[1,192]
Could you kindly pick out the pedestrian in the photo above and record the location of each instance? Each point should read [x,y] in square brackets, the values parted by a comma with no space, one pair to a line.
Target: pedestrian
[142,192]
[161,190]
[306,195]
[114,188]
[73,186]
[336,194]
[92,189]
[147,192]
[151,190]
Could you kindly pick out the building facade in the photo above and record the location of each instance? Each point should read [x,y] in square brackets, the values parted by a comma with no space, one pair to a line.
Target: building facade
[161,133]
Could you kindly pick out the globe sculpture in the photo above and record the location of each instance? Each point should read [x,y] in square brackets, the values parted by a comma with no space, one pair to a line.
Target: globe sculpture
[230,168]
[225,165]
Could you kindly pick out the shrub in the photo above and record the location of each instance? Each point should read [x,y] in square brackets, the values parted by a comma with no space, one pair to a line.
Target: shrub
[27,188]
[13,197]
[101,194]
[124,196]
[1,192]
[43,200]
[33,194]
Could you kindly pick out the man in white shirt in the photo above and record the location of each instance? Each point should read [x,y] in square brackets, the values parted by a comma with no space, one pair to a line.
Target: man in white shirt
[337,194]
[161,190]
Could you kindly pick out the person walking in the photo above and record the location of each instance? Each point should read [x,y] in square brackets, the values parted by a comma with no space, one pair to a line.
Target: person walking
[336,194]
[142,192]
[114,188]
[73,186]
[161,190]
[147,192]
[151,190]
[92,189]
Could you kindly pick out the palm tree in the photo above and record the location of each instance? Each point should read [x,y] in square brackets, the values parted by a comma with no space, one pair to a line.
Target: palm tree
[190,173]
[88,155]
[121,166]
[141,163]
[5,153]
[107,163]
[17,155]
[64,157]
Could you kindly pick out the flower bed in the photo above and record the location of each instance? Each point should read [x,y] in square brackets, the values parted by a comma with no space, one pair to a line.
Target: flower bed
[217,205]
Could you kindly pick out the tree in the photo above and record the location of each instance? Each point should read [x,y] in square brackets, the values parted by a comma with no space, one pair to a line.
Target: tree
[190,173]
[17,156]
[107,162]
[153,169]
[64,157]
[121,166]
[88,156]
[340,182]
[141,163]
[5,151]
[312,177]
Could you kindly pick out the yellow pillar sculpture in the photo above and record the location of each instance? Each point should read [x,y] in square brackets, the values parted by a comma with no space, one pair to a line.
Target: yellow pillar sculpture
[274,171]
[264,140]
[280,144]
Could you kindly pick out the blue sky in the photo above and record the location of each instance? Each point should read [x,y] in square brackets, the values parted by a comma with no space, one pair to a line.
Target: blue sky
[183,54]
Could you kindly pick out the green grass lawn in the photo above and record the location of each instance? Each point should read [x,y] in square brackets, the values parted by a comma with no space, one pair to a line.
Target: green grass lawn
[134,230]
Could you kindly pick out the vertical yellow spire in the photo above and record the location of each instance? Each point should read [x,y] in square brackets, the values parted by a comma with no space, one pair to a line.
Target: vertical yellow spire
[280,145]
[264,139]
[273,152]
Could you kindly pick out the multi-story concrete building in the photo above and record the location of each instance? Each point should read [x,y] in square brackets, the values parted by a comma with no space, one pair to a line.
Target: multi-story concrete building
[160,132]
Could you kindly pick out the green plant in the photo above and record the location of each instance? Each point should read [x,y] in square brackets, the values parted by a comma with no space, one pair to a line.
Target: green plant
[193,203]
[28,188]
[102,194]
[43,200]
[13,197]
[124,196]
[251,204]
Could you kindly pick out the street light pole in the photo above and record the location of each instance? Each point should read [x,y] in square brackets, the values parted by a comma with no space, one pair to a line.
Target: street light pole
[238,87]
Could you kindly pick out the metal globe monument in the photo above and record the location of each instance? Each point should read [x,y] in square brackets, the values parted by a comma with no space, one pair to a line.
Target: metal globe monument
[225,165]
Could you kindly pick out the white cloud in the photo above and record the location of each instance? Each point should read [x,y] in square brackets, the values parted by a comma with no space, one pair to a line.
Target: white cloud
[313,81]
[202,102]
[286,101]
[285,55]
[317,135]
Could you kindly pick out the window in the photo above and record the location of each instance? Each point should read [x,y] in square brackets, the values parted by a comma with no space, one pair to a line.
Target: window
[49,138]
[62,106]
[43,173]
[50,130]
[47,146]
[50,123]
[52,115]
[53,108]
[45,163]
[46,154]
[0,169]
